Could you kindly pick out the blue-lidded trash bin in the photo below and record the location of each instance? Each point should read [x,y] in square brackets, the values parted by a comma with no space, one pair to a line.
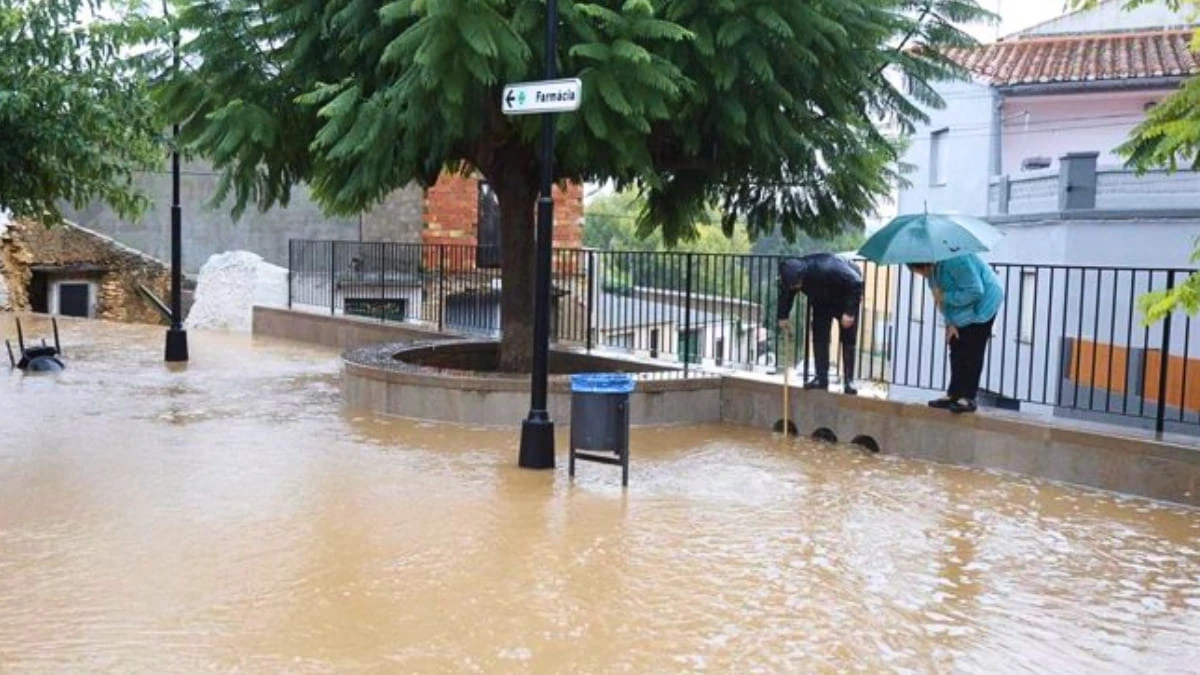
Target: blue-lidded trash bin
[600,418]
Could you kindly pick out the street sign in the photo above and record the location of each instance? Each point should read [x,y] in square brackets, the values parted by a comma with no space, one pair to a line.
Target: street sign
[546,96]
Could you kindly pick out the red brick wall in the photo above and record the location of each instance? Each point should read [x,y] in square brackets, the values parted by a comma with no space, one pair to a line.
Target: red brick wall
[451,214]
[451,211]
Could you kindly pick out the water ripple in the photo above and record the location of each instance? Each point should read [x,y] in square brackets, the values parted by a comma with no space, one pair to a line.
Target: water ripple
[230,516]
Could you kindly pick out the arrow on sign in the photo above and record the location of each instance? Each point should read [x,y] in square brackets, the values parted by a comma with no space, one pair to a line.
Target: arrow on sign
[546,96]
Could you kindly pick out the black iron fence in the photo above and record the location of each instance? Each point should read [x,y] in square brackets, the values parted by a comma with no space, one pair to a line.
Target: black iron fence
[1069,340]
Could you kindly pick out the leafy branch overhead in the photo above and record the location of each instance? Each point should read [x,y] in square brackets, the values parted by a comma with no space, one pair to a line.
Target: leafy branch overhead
[762,107]
[76,119]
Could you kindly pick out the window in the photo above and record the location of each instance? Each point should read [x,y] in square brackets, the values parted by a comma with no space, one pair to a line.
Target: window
[1028,291]
[73,298]
[938,156]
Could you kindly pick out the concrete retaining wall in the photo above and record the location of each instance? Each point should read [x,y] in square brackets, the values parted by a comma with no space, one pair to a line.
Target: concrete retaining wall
[340,332]
[1109,458]
[1095,458]
[492,401]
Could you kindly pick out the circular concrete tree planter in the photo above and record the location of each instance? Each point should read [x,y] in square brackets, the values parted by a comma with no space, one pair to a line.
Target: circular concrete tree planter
[456,381]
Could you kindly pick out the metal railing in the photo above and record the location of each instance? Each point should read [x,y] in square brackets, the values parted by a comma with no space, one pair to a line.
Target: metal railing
[1068,340]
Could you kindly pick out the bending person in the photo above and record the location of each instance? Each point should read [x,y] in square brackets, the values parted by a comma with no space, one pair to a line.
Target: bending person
[834,288]
[969,295]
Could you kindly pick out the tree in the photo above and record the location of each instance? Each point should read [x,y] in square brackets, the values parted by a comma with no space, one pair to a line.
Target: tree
[776,244]
[76,117]
[611,223]
[762,107]
[747,272]
[1168,136]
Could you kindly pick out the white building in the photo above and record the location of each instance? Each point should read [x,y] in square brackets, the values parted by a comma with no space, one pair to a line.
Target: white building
[1030,144]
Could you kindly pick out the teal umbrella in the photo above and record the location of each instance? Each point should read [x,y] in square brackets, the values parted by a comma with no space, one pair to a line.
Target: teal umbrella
[929,238]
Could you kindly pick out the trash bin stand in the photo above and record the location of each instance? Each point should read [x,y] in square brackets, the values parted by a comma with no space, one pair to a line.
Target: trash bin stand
[600,420]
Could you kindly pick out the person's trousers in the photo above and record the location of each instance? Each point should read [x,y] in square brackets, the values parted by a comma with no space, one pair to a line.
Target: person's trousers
[966,359]
[823,318]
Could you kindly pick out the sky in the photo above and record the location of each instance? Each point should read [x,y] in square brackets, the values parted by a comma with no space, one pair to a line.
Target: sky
[1016,15]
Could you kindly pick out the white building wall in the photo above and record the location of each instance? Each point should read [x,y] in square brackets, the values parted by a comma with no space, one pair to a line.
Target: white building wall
[966,121]
[1052,126]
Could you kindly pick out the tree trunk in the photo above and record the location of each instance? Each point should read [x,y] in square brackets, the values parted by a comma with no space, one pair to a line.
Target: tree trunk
[517,193]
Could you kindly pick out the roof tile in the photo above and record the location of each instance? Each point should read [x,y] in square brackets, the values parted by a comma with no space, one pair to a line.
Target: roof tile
[1081,58]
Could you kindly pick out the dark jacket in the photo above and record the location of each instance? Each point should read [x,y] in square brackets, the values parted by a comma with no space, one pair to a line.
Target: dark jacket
[827,279]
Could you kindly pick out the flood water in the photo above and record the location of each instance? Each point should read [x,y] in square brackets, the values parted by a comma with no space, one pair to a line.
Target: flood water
[230,517]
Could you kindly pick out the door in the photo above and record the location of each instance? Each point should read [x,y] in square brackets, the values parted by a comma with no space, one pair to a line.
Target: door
[39,293]
[73,300]
[689,345]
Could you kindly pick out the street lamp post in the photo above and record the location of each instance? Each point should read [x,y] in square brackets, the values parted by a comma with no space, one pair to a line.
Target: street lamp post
[177,343]
[537,430]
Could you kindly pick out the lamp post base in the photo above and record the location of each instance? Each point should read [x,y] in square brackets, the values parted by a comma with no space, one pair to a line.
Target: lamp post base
[177,345]
[537,443]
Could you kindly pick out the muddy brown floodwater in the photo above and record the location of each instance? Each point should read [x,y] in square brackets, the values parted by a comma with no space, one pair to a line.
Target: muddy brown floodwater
[230,516]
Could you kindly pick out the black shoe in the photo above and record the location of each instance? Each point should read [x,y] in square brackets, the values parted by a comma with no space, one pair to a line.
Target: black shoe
[963,405]
[816,383]
[849,390]
[941,403]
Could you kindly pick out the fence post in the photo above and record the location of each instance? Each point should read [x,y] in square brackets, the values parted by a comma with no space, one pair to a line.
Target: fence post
[332,277]
[291,264]
[441,299]
[382,281]
[687,309]
[591,298]
[804,336]
[1163,359]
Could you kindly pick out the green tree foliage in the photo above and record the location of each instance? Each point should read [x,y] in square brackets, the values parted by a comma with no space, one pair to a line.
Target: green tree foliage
[1168,137]
[747,271]
[763,108]
[76,118]
[776,244]
[611,224]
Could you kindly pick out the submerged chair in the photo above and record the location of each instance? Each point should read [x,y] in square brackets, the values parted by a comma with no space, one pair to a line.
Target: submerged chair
[39,358]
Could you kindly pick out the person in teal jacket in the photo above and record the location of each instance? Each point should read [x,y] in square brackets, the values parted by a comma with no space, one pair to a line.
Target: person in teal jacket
[969,295]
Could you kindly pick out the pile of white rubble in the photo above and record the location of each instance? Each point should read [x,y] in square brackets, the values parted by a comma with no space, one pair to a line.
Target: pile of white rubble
[229,287]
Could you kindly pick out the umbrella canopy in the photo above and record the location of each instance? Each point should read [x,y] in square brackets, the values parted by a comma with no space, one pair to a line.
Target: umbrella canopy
[929,238]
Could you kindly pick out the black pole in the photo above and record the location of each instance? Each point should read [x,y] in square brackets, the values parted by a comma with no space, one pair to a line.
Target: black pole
[177,343]
[1163,363]
[537,430]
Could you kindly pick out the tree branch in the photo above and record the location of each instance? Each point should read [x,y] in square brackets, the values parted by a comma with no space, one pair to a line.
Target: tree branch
[920,20]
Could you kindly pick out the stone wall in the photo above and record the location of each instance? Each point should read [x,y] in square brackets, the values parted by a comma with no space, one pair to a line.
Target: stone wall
[75,252]
[14,268]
